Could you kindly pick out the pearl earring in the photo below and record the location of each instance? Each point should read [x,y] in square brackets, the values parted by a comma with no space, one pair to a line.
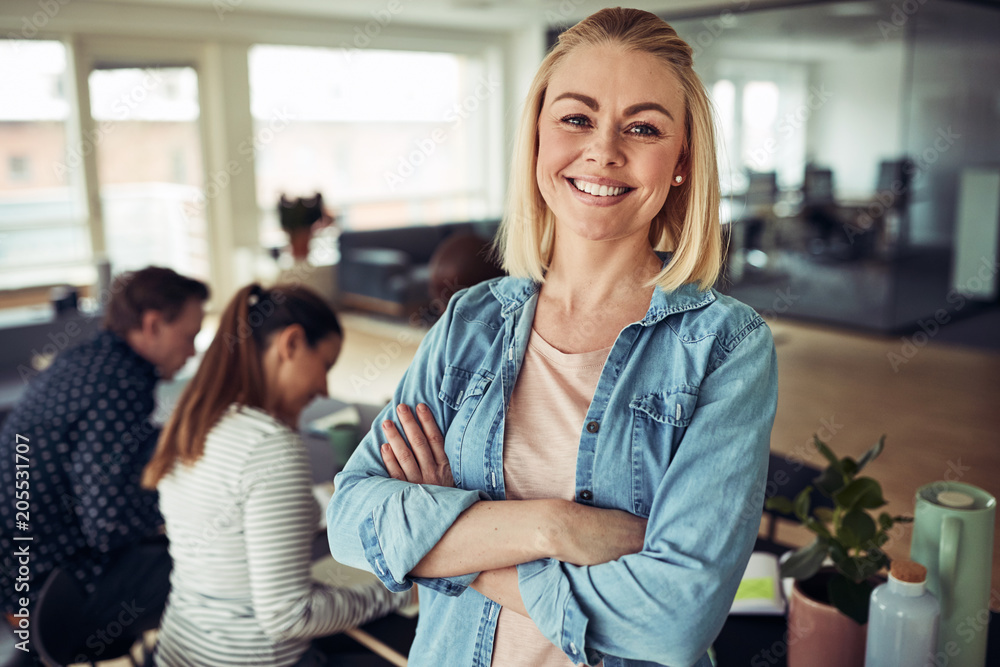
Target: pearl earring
[678,179]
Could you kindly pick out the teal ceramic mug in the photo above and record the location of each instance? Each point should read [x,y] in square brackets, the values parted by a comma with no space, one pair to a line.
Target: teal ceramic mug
[953,539]
[344,440]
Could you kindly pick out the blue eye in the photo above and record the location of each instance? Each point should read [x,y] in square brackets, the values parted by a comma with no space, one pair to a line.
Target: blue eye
[644,130]
[579,121]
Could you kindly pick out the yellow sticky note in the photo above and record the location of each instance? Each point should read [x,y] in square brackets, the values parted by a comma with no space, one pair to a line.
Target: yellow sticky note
[756,589]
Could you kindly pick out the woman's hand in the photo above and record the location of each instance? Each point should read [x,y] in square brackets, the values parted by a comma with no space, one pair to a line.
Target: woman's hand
[423,461]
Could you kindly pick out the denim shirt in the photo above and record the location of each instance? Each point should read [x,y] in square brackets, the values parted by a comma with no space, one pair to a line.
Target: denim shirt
[678,431]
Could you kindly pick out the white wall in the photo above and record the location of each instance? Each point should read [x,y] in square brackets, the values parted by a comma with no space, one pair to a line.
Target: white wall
[860,123]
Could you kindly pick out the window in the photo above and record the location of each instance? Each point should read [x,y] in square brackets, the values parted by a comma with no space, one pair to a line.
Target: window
[763,111]
[18,169]
[150,167]
[43,234]
[724,98]
[389,138]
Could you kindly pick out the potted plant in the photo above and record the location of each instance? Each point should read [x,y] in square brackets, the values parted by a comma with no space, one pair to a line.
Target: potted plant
[299,217]
[849,536]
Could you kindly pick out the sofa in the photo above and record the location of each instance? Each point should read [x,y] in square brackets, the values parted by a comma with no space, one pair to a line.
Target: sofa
[387,270]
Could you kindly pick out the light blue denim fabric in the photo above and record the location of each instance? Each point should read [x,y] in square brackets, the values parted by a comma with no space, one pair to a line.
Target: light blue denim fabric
[678,431]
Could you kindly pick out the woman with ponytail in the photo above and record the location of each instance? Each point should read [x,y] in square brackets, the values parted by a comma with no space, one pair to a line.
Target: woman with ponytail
[235,491]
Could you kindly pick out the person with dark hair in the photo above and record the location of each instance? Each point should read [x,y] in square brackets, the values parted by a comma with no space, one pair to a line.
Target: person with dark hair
[86,421]
[235,490]
[461,260]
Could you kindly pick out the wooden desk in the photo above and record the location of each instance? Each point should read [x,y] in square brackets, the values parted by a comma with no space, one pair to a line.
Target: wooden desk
[389,637]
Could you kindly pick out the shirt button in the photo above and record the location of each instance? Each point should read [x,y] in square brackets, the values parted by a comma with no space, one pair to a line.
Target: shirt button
[587,494]
[593,427]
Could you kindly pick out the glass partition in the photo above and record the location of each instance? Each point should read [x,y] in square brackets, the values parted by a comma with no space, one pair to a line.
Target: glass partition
[845,128]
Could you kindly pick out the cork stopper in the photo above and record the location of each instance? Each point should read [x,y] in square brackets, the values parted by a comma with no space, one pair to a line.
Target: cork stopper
[908,571]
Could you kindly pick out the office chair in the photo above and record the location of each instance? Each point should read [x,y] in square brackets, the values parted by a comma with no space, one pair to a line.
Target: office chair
[61,633]
[762,192]
[787,477]
[819,208]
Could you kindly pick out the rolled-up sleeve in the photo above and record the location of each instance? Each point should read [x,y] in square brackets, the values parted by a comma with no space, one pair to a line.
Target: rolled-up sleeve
[667,603]
[385,525]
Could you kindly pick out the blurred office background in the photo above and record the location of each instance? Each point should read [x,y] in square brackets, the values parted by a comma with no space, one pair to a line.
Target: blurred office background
[860,155]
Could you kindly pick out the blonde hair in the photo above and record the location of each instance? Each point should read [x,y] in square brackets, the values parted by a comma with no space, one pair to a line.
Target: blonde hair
[688,223]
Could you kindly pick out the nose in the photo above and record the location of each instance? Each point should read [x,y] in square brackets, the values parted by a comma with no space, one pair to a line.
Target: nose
[605,148]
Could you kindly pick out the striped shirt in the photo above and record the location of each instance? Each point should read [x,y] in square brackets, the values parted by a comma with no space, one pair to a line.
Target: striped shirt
[241,521]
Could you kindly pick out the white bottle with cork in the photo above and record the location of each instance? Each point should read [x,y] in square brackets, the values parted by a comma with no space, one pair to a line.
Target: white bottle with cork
[902,619]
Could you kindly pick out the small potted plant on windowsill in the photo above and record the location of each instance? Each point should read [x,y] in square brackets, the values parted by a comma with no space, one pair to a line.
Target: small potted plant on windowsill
[301,217]
[828,611]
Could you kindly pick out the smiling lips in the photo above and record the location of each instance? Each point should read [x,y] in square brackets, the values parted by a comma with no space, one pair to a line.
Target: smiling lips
[599,190]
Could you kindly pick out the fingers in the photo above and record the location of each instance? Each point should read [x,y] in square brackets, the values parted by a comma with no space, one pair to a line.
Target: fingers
[433,433]
[415,434]
[401,452]
[391,464]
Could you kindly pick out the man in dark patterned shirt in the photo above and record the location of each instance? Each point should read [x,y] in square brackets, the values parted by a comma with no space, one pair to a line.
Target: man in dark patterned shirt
[86,421]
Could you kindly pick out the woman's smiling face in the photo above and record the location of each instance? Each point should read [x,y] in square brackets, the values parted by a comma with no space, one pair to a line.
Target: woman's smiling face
[610,133]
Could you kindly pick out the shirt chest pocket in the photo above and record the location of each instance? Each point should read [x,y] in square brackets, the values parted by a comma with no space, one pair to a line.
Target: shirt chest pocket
[459,385]
[659,421]
[462,391]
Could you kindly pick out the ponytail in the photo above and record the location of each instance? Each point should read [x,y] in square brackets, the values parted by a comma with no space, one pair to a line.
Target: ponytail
[231,371]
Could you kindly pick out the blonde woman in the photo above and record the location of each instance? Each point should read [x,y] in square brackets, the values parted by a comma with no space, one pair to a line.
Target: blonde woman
[604,414]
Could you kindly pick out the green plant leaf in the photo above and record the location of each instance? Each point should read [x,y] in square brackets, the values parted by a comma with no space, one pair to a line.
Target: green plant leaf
[829,482]
[805,562]
[816,527]
[862,492]
[850,598]
[885,521]
[826,452]
[847,537]
[872,563]
[802,504]
[824,514]
[848,466]
[838,553]
[861,525]
[779,504]
[871,454]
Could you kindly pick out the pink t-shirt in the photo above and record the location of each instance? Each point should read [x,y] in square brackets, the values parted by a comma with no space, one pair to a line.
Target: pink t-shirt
[541,439]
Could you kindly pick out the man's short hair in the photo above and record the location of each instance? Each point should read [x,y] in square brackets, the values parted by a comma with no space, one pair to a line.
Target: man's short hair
[152,288]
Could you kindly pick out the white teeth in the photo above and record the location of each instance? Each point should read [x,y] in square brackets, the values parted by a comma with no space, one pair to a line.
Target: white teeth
[598,190]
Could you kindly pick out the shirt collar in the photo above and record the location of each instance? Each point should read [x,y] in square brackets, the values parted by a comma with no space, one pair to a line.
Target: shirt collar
[512,293]
[111,340]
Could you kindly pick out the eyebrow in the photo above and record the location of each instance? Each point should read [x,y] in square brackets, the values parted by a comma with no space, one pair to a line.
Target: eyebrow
[630,111]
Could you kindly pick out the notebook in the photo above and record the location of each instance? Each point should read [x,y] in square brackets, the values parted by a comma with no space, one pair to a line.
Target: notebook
[760,589]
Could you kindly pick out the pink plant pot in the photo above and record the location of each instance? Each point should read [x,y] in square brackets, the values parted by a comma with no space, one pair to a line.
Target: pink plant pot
[821,636]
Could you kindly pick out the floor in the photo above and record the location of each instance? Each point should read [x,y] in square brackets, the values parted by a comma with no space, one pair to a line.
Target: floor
[938,404]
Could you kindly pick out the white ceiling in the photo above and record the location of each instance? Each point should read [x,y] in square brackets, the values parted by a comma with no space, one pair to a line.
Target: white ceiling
[472,14]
